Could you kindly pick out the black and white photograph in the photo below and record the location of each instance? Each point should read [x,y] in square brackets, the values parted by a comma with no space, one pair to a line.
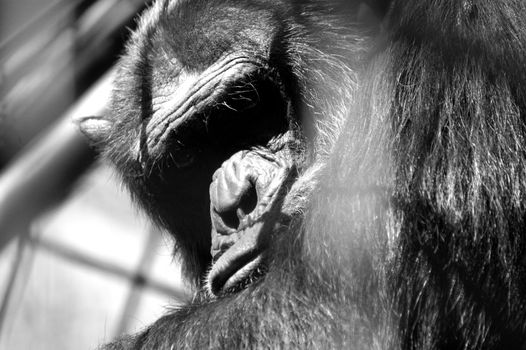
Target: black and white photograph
[262,174]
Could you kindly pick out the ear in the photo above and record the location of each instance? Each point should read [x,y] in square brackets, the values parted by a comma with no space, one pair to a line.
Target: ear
[96,129]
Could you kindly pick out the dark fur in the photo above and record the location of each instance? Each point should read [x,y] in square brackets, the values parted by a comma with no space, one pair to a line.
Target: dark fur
[314,61]
[416,237]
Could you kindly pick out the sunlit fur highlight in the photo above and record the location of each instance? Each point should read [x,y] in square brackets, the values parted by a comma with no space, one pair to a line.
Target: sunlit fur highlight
[414,237]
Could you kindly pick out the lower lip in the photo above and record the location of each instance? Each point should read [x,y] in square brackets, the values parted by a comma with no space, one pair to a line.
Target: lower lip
[233,271]
[235,266]
[241,274]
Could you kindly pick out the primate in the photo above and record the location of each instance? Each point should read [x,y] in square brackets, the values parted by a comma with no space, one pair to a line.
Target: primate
[335,173]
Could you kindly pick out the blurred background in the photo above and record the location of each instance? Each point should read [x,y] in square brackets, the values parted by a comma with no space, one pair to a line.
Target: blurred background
[79,265]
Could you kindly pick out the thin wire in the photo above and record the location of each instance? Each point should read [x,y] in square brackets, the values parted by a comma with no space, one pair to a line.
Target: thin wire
[18,277]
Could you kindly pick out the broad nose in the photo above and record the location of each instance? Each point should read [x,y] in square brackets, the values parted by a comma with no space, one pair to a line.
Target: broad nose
[242,193]
[233,194]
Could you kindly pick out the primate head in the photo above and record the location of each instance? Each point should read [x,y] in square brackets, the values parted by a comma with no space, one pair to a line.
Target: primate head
[219,131]
[384,139]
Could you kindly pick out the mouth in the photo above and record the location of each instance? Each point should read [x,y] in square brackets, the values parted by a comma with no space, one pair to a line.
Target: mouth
[239,265]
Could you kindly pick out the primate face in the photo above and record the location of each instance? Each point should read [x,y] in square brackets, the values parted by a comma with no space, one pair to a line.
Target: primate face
[387,150]
[218,128]
[204,130]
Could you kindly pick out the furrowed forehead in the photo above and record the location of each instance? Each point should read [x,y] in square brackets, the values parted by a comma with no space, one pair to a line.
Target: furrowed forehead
[175,39]
[197,33]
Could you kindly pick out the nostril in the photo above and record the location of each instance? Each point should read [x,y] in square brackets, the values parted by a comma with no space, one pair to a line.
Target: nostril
[231,216]
[248,202]
[230,219]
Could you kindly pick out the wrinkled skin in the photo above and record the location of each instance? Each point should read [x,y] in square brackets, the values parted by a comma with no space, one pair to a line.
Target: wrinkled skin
[243,197]
[228,116]
[336,174]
